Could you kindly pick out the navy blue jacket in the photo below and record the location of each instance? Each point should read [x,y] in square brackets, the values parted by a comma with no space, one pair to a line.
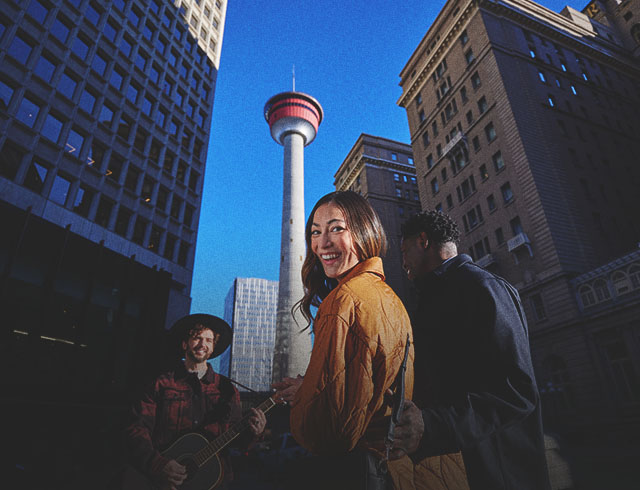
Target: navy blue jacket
[474,379]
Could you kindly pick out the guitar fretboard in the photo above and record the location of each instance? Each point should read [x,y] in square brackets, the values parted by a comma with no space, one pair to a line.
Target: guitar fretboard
[220,442]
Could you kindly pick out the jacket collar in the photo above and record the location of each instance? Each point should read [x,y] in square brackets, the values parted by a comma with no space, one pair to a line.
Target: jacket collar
[449,264]
[181,373]
[372,265]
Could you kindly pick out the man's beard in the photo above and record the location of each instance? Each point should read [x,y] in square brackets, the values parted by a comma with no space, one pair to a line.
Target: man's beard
[197,357]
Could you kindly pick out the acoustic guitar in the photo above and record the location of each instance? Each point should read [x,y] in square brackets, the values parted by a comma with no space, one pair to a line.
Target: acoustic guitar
[200,457]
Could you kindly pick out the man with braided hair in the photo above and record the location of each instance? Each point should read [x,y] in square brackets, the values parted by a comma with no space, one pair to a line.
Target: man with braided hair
[475,390]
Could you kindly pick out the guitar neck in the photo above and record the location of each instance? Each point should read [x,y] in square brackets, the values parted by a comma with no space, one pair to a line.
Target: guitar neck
[219,443]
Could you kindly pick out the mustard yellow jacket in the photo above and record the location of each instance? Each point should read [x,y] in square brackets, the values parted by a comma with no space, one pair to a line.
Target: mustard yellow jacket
[360,332]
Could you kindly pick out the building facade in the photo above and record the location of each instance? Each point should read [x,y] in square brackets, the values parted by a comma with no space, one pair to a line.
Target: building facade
[524,127]
[105,110]
[250,309]
[383,171]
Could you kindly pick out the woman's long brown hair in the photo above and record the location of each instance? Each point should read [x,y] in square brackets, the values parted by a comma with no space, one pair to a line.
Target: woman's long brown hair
[369,238]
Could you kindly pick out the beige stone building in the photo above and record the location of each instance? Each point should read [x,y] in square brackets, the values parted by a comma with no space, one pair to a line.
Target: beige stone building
[524,126]
[382,170]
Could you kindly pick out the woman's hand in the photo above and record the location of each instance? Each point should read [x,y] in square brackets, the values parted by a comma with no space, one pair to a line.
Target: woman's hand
[287,388]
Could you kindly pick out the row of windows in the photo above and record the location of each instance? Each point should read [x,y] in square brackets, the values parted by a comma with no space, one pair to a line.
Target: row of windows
[83,146]
[450,111]
[147,188]
[618,283]
[68,83]
[583,68]
[87,202]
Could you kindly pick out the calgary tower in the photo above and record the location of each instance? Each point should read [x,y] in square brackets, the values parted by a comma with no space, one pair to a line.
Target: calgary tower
[293,118]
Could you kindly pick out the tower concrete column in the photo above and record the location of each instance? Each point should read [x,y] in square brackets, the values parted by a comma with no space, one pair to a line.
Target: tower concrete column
[293,118]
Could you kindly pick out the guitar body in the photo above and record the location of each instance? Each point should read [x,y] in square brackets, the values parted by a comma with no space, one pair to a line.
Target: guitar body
[204,477]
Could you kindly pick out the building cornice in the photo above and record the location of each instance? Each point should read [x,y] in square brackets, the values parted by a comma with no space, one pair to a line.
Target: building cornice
[527,13]
[373,162]
[439,52]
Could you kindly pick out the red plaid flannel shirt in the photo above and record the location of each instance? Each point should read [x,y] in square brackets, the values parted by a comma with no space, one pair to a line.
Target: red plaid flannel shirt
[176,403]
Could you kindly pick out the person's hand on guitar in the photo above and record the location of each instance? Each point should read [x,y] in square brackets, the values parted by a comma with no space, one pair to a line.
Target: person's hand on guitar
[287,388]
[257,421]
[173,474]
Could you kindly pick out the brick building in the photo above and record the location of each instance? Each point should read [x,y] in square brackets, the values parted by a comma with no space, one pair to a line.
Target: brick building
[524,127]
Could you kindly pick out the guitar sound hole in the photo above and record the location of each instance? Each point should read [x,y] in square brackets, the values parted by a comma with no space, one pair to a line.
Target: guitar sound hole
[191,466]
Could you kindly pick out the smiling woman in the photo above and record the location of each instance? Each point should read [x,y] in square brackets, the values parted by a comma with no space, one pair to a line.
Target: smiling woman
[360,328]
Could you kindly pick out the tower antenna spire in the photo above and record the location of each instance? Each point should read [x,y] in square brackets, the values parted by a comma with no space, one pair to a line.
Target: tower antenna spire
[293,73]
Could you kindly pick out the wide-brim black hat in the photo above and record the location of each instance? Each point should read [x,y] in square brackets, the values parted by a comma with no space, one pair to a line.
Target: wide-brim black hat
[180,329]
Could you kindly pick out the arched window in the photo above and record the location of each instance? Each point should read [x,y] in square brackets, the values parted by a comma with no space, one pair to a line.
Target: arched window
[621,283]
[601,290]
[634,275]
[586,296]
[635,33]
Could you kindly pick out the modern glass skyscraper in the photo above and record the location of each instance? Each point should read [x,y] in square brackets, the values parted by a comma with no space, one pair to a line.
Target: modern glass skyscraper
[104,125]
[105,110]
[250,308]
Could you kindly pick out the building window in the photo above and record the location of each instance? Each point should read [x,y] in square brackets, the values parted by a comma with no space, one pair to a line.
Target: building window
[87,101]
[162,198]
[475,80]
[469,117]
[429,160]
[60,30]
[602,290]
[491,202]
[27,112]
[139,230]
[621,283]
[422,116]
[465,189]
[131,180]
[80,48]
[38,11]
[67,86]
[516,226]
[122,221]
[74,143]
[468,56]
[434,186]
[463,95]
[434,128]
[543,78]
[154,239]
[449,201]
[60,190]
[507,193]
[473,218]
[498,162]
[482,105]
[183,253]
[573,90]
[464,38]
[45,68]
[106,115]
[490,132]
[484,174]
[499,236]
[36,175]
[82,201]
[551,100]
[51,128]
[20,50]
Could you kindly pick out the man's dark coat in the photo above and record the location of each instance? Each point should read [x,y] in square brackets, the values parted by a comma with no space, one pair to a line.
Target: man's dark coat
[474,379]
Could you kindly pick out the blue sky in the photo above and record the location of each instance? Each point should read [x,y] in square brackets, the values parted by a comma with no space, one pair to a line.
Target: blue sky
[348,55]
